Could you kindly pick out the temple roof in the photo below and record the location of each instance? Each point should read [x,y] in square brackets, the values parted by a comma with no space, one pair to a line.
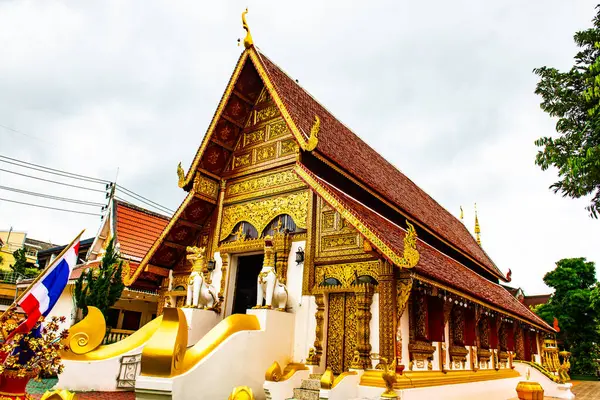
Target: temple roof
[136,229]
[337,145]
[432,264]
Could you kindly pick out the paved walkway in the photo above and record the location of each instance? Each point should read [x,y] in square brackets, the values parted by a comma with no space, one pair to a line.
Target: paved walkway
[587,390]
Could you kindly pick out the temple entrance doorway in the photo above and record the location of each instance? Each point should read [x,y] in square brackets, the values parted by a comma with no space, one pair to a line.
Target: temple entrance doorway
[246,280]
[341,331]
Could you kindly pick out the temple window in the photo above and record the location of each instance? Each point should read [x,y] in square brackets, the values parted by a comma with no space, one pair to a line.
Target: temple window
[470,335]
[366,279]
[330,282]
[282,223]
[435,315]
[243,230]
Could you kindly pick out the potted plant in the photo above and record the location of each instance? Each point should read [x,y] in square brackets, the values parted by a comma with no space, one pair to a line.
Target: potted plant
[26,356]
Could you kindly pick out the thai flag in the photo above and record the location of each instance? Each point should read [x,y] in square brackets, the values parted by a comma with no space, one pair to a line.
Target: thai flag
[43,294]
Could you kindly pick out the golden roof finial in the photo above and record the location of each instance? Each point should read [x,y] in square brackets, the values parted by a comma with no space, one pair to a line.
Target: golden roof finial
[248,42]
[462,213]
[477,227]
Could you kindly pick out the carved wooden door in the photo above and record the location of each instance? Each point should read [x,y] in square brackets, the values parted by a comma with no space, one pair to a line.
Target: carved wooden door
[341,331]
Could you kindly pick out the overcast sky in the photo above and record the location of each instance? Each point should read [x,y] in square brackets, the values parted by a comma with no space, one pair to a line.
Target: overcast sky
[444,90]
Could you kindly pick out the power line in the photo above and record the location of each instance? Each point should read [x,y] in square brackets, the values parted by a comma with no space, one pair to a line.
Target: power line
[42,168]
[49,196]
[71,175]
[51,181]
[140,197]
[50,208]
[159,209]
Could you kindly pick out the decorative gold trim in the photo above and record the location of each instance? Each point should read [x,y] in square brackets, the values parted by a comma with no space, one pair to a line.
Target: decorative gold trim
[410,257]
[308,272]
[327,379]
[58,394]
[347,273]
[264,185]
[216,116]
[248,42]
[416,379]
[275,374]
[129,280]
[477,301]
[242,246]
[341,376]
[163,355]
[87,334]
[260,213]
[134,341]
[217,226]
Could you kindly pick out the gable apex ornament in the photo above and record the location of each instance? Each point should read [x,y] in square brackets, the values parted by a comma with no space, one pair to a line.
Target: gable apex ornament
[313,139]
[180,176]
[248,42]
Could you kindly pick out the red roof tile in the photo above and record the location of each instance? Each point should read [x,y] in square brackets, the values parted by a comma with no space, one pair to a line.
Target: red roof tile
[340,145]
[434,264]
[137,229]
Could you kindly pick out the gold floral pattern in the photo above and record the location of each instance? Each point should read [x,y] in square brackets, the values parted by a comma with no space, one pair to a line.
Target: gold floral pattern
[266,152]
[266,113]
[260,213]
[277,129]
[253,137]
[346,273]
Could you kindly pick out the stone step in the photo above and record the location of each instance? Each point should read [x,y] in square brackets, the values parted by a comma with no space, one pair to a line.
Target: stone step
[315,376]
[310,384]
[305,394]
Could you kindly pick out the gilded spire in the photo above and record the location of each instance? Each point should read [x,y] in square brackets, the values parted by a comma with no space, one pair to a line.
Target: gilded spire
[248,42]
[462,213]
[477,227]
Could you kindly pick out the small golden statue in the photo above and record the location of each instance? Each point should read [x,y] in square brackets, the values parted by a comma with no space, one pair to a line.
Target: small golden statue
[180,176]
[241,393]
[389,377]
[58,395]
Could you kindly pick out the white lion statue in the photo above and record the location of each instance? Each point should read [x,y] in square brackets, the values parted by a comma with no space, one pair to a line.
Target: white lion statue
[269,287]
[200,294]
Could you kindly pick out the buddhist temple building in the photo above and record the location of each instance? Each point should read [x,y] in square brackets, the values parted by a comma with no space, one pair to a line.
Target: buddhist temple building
[366,268]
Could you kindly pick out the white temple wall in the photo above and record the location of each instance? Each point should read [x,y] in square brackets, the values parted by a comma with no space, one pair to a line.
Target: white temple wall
[65,307]
[217,273]
[294,278]
[374,324]
[404,330]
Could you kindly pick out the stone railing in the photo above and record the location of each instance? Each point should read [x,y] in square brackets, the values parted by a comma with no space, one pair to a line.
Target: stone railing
[116,335]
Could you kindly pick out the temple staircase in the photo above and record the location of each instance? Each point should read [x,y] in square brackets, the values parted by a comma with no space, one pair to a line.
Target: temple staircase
[309,389]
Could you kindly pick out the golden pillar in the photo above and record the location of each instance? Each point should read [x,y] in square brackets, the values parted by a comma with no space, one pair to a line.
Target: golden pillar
[314,358]
[387,311]
[364,298]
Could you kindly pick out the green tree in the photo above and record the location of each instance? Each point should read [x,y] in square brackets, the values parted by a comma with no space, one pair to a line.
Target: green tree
[21,263]
[572,303]
[574,98]
[101,287]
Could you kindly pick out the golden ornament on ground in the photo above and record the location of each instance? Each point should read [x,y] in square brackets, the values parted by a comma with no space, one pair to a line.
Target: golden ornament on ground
[58,395]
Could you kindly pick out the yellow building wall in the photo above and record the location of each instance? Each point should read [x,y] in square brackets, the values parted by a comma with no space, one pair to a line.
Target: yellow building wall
[12,241]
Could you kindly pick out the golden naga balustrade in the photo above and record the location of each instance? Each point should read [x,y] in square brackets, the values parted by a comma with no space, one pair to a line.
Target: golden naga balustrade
[85,339]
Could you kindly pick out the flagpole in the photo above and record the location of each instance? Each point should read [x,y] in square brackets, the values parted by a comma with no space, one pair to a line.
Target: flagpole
[37,279]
